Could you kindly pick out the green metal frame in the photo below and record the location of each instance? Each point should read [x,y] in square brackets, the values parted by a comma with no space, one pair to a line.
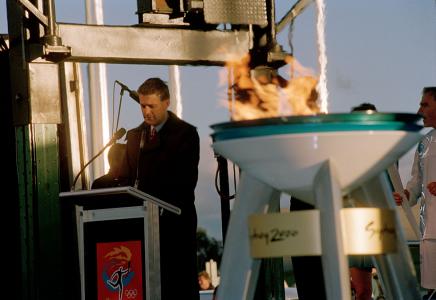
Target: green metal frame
[40,223]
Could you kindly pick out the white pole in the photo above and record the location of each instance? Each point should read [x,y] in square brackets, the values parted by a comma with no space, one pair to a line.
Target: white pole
[322,57]
[174,85]
[98,100]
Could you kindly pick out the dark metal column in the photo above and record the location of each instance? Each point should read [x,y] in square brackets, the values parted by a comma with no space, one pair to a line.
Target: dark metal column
[35,121]
[11,236]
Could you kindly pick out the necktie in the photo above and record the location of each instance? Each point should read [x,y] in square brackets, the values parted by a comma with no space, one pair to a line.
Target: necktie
[153,133]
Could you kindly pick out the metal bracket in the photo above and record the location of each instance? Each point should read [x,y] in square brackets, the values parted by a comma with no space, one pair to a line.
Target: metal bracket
[51,47]
[51,53]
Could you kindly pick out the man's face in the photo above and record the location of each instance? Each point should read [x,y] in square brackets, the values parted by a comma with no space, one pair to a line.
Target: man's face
[427,109]
[153,109]
[203,282]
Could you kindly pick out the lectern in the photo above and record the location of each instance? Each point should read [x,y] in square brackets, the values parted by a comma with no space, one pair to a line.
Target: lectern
[117,237]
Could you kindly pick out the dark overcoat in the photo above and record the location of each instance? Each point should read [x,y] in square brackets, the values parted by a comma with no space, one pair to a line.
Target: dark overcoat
[167,168]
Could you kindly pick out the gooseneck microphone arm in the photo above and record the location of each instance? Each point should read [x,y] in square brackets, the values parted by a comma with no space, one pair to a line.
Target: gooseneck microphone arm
[117,135]
[133,94]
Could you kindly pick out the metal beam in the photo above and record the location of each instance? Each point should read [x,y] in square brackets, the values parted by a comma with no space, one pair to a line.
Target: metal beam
[296,9]
[35,11]
[145,45]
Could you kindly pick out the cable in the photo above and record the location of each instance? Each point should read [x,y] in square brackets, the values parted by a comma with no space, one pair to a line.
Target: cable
[290,36]
[218,188]
[234,178]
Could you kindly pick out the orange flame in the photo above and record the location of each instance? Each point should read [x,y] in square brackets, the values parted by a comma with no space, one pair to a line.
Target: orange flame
[265,95]
[121,253]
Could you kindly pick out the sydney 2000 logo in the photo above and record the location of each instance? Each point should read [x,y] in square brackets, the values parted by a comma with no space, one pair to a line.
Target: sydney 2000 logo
[119,270]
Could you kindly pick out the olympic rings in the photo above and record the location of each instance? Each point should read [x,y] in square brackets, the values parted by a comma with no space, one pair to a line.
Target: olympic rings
[131,293]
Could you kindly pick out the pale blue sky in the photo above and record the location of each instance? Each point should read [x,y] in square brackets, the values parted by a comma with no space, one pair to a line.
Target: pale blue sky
[382,52]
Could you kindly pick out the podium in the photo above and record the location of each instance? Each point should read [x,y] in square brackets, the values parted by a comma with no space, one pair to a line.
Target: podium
[116,237]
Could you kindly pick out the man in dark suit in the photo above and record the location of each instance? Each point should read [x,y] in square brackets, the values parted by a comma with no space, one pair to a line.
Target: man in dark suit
[162,160]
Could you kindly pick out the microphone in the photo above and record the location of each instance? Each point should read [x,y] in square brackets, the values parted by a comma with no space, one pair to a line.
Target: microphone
[133,94]
[117,135]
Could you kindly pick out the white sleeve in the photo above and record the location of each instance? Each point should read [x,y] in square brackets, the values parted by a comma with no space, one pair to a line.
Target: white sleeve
[414,186]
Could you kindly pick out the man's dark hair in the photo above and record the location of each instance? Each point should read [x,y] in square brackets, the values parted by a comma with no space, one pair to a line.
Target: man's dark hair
[364,107]
[430,90]
[116,153]
[154,86]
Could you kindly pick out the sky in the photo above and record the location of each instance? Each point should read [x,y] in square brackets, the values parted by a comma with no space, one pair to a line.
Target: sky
[383,52]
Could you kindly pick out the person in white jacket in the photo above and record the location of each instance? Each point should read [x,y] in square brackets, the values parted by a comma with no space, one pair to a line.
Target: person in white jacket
[421,189]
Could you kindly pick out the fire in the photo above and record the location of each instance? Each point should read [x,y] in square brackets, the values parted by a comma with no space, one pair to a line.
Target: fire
[262,93]
[121,253]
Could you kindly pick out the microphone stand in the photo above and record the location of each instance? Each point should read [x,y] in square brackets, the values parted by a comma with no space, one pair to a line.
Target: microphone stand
[119,107]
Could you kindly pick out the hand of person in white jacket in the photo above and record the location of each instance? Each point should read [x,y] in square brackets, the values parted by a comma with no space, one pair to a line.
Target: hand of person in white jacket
[399,198]
[432,188]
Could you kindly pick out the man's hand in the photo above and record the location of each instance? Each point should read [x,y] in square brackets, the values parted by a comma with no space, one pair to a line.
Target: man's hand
[399,199]
[432,188]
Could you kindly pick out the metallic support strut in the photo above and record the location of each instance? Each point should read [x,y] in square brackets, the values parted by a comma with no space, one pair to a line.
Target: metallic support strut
[292,14]
[35,11]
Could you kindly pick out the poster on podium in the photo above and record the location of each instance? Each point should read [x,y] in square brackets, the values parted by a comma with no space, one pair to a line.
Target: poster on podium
[119,270]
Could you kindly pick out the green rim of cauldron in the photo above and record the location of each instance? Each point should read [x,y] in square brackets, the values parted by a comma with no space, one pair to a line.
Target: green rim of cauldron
[356,121]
